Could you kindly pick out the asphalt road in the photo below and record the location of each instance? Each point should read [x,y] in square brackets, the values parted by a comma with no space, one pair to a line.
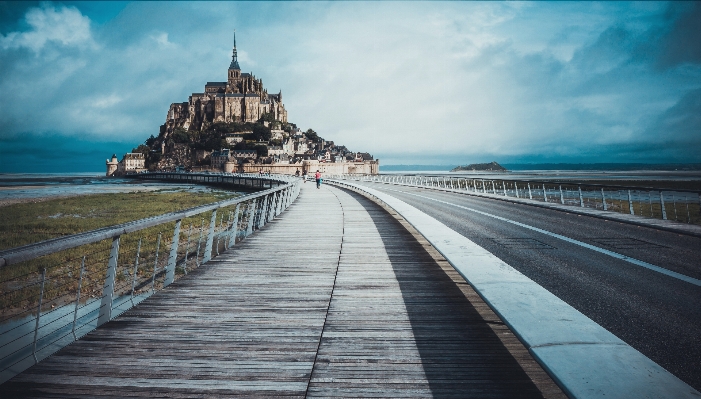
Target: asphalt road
[656,314]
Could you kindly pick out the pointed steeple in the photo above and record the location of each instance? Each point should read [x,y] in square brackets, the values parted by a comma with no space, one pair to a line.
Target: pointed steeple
[234,57]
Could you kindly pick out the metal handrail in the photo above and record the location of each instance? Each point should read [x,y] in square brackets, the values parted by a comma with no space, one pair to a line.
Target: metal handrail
[648,202]
[35,250]
[47,310]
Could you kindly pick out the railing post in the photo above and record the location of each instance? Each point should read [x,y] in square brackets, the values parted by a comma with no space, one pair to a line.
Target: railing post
[221,224]
[270,208]
[210,238]
[581,198]
[273,206]
[545,194]
[108,288]
[530,194]
[251,214]
[187,247]
[503,187]
[136,268]
[286,194]
[36,325]
[280,203]
[234,227]
[173,258]
[228,226]
[562,197]
[155,264]
[199,244]
[630,204]
[77,297]
[603,198]
[516,190]
[664,211]
[263,212]
[494,189]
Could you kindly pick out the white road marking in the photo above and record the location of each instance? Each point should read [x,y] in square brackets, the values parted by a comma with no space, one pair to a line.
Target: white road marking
[616,255]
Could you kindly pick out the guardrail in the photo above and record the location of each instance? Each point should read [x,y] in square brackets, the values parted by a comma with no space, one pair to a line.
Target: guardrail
[677,205]
[584,359]
[54,292]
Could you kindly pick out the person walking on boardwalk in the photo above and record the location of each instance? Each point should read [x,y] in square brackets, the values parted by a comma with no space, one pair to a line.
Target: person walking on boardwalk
[317,176]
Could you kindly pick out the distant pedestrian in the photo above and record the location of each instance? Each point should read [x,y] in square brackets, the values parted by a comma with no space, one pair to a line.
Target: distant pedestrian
[317,176]
[297,173]
[304,176]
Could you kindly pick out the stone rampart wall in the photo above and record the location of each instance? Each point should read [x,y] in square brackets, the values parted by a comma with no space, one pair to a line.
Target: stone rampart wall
[366,167]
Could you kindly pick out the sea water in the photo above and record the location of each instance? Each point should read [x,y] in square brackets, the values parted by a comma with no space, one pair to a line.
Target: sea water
[14,186]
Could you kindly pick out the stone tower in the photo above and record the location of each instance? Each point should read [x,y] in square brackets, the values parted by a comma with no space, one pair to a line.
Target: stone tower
[112,165]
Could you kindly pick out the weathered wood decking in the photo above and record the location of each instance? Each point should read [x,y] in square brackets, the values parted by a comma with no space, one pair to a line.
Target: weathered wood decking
[333,299]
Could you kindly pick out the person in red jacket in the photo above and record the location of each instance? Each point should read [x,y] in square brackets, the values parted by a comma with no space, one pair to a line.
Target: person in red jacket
[317,176]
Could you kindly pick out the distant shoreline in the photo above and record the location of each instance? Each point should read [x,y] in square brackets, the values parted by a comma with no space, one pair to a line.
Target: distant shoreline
[610,167]
[11,201]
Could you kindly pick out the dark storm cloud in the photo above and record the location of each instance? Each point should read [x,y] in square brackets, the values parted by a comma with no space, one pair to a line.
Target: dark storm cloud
[682,43]
[410,82]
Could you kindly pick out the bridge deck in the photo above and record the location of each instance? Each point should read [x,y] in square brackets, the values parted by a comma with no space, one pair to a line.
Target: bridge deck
[333,299]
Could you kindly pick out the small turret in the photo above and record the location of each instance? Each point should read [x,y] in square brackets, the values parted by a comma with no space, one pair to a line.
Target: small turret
[112,165]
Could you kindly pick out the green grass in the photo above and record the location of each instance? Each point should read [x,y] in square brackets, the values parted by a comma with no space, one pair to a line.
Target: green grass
[27,223]
[22,224]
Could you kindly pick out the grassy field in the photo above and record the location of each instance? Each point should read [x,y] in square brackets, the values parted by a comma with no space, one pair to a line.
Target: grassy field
[27,223]
[22,224]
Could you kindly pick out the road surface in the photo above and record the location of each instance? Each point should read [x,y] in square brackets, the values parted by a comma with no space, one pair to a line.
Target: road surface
[570,256]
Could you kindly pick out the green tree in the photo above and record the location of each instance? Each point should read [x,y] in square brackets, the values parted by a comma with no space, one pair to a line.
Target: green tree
[261,133]
[180,135]
[262,150]
[267,117]
[150,141]
[142,148]
[311,135]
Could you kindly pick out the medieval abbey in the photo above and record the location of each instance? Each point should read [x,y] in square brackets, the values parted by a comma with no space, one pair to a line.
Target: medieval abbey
[236,126]
[242,98]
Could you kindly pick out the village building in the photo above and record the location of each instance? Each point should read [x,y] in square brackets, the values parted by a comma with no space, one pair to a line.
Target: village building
[235,138]
[219,159]
[132,162]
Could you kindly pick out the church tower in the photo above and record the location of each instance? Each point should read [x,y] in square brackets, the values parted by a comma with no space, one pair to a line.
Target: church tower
[234,69]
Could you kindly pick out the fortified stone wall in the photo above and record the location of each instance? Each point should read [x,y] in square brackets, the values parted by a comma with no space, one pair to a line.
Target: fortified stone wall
[309,166]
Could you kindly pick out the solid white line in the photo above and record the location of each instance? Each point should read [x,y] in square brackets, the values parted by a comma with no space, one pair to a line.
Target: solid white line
[616,255]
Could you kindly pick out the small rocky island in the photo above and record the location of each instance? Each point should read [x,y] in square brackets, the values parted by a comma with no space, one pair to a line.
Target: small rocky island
[481,167]
[237,126]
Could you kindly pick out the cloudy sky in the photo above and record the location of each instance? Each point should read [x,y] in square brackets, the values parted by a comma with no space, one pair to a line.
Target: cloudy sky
[410,82]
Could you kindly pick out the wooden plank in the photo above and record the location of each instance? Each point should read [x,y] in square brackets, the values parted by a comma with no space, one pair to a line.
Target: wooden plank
[336,298]
[399,325]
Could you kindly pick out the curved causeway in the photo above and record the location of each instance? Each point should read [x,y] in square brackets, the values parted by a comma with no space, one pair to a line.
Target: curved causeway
[336,297]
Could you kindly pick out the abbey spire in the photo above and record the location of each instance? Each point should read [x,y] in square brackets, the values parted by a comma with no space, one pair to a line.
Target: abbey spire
[234,57]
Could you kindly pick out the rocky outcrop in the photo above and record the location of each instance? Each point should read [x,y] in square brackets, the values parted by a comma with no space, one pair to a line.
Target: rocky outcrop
[481,167]
[178,155]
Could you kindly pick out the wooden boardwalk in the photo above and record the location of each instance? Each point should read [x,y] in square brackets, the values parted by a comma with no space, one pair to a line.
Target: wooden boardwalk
[335,298]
